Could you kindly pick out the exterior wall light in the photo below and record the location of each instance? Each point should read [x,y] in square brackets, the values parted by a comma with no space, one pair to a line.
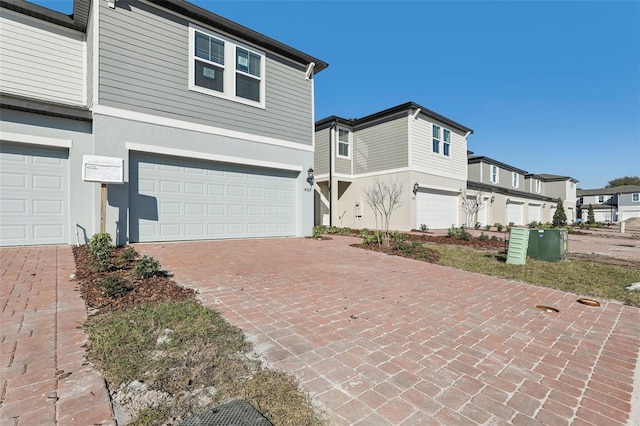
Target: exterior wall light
[508,201]
[310,176]
[493,199]
[415,188]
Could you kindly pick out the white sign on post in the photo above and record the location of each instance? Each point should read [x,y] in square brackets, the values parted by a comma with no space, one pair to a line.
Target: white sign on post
[102,169]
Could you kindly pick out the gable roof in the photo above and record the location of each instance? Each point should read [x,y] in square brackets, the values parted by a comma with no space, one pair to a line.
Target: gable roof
[406,107]
[78,21]
[548,177]
[623,189]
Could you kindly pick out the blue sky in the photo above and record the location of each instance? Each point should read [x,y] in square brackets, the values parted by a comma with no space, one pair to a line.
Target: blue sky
[548,87]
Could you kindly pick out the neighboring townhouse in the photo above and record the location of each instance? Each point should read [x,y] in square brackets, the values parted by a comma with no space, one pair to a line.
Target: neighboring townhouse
[563,187]
[507,194]
[213,123]
[615,204]
[421,150]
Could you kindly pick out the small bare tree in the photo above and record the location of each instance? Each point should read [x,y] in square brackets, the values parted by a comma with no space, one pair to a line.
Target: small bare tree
[384,198]
[471,204]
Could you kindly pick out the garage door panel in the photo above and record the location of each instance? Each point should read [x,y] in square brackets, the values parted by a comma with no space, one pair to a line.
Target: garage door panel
[204,200]
[34,195]
[515,213]
[436,209]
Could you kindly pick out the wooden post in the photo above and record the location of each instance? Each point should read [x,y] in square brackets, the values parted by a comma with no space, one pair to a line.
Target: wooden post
[103,207]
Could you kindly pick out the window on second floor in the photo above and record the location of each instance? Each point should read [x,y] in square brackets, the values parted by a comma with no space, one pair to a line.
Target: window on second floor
[494,174]
[222,67]
[435,146]
[538,186]
[447,142]
[601,198]
[635,197]
[344,143]
[515,179]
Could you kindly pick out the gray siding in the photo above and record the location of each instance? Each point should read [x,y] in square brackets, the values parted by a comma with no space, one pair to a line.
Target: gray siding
[321,155]
[381,147]
[474,172]
[422,155]
[627,200]
[144,68]
[342,166]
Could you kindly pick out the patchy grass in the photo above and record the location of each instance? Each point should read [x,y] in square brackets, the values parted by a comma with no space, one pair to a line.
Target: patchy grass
[194,359]
[584,278]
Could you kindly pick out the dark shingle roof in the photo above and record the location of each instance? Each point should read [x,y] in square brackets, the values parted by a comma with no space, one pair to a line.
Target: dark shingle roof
[624,189]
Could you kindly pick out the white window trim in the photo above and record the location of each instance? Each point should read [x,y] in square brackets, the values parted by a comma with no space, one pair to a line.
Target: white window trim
[637,194]
[515,180]
[497,179]
[349,142]
[438,139]
[229,68]
[538,186]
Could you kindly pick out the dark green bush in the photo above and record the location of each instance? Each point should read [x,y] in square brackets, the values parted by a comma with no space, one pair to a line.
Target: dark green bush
[113,286]
[101,251]
[146,267]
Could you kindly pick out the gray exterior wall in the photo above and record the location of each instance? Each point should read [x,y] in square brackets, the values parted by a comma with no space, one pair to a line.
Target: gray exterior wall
[144,67]
[474,174]
[321,156]
[381,147]
[113,134]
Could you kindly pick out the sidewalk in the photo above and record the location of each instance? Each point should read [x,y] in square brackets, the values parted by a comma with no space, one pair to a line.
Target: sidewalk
[44,376]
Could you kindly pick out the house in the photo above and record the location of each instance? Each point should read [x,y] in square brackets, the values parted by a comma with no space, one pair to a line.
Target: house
[209,123]
[508,194]
[615,204]
[420,150]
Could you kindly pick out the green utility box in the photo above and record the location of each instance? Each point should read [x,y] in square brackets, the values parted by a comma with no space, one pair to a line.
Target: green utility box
[518,243]
[551,245]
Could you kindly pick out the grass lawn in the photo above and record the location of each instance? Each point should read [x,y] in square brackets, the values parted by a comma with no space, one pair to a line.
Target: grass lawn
[583,278]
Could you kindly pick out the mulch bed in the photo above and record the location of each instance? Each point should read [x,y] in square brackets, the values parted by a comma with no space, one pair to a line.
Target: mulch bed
[156,288]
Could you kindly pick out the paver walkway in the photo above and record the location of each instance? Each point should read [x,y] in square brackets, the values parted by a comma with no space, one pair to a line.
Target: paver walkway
[44,378]
[382,340]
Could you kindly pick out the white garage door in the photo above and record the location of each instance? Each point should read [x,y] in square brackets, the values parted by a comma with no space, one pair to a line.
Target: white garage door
[515,213]
[174,199]
[436,209]
[534,212]
[34,195]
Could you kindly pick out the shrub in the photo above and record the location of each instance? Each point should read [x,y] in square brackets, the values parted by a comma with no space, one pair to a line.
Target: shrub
[100,250]
[460,233]
[424,227]
[487,227]
[127,255]
[344,231]
[498,226]
[452,232]
[559,217]
[318,231]
[494,238]
[483,236]
[477,225]
[533,224]
[146,267]
[369,237]
[113,286]
[398,237]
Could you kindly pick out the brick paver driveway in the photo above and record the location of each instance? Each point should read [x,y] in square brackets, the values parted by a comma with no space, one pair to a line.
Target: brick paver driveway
[380,340]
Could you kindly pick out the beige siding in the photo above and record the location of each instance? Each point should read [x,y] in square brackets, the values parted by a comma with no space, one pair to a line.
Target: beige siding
[381,147]
[41,60]
[342,166]
[321,155]
[423,158]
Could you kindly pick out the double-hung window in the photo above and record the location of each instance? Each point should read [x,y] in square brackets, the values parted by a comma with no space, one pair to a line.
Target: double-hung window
[515,179]
[538,185]
[635,197]
[222,67]
[447,142]
[344,143]
[601,198]
[436,139]
[494,174]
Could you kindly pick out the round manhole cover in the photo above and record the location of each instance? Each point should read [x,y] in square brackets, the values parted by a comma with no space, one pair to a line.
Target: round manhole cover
[588,302]
[547,308]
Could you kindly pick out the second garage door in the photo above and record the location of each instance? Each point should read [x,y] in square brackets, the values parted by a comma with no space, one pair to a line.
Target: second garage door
[515,213]
[173,199]
[436,209]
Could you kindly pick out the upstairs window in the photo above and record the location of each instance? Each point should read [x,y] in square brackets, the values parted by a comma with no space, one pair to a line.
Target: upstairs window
[538,186]
[222,67]
[435,144]
[447,141]
[601,198]
[515,179]
[494,174]
[635,197]
[344,143]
